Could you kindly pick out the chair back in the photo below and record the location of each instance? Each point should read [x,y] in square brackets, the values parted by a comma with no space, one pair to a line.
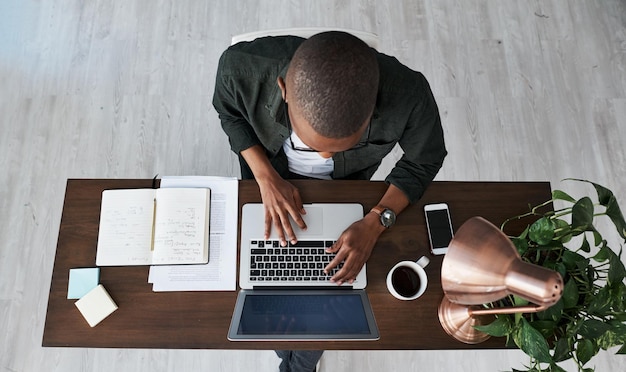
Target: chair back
[306,32]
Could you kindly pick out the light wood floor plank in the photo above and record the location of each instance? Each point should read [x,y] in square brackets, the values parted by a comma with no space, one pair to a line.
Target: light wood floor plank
[528,90]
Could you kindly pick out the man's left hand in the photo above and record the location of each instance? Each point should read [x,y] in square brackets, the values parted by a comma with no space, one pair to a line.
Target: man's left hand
[354,246]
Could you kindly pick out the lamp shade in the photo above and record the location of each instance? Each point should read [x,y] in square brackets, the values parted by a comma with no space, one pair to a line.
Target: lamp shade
[482,265]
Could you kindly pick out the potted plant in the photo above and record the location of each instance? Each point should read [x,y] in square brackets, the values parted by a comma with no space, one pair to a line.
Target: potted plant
[591,314]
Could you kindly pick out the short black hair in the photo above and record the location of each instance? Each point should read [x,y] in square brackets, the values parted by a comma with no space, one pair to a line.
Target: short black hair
[335,81]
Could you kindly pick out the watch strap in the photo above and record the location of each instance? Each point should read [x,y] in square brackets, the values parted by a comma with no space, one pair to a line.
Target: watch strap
[378,209]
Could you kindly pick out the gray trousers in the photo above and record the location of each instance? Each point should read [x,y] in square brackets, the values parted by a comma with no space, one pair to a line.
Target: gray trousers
[299,360]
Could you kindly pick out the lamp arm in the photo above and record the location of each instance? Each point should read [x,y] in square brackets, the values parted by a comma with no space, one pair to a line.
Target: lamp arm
[507,310]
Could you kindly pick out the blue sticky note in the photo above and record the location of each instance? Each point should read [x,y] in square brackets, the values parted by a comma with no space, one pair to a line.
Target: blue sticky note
[82,281]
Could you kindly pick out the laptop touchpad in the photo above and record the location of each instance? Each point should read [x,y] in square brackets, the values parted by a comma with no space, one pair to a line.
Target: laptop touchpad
[314,219]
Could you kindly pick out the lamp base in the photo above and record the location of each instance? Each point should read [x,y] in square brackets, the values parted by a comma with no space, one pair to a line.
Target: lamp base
[458,321]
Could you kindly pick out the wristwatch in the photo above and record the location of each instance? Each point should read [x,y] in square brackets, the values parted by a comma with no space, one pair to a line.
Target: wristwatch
[387,216]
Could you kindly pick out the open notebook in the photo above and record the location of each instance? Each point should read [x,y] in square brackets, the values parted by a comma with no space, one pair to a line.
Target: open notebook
[154,227]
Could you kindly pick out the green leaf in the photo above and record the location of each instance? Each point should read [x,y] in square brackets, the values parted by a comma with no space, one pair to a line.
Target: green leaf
[532,342]
[603,254]
[545,327]
[601,302]
[498,328]
[593,328]
[518,301]
[570,294]
[617,272]
[607,199]
[573,260]
[622,350]
[561,350]
[615,214]
[564,231]
[561,195]
[555,368]
[597,238]
[585,350]
[561,269]
[553,313]
[521,244]
[604,194]
[542,231]
[618,295]
[619,327]
[585,247]
[582,214]
[572,329]
[609,339]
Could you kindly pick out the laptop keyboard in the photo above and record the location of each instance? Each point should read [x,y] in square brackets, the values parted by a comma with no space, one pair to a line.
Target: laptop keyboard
[298,263]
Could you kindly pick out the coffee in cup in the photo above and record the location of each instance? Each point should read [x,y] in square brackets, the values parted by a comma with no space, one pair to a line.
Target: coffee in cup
[407,279]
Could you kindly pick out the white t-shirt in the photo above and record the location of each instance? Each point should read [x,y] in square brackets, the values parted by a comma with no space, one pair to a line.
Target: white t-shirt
[305,163]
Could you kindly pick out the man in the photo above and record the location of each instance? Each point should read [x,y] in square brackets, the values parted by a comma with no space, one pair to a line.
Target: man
[328,107]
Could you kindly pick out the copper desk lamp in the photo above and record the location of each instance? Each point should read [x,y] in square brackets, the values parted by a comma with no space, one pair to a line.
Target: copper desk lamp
[482,266]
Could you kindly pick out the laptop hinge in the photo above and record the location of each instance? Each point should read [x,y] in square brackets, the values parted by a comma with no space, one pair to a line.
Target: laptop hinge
[298,288]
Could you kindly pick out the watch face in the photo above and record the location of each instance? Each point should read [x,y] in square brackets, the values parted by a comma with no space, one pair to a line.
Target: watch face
[387,218]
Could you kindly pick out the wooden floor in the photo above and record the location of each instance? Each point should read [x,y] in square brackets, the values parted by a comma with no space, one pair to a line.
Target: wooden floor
[528,90]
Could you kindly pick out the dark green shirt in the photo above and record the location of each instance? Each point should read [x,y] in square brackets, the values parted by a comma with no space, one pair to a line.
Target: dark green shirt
[251,109]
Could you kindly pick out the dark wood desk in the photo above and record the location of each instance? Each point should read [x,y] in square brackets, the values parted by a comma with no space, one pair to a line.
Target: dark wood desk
[146,319]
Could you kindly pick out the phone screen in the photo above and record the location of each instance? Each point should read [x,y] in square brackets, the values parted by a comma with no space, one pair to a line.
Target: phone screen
[439,226]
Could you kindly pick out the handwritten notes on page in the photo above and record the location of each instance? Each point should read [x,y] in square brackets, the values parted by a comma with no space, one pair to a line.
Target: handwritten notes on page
[221,271]
[125,231]
[181,226]
[154,226]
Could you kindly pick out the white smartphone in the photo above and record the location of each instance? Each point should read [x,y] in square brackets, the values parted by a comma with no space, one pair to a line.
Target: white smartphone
[439,227]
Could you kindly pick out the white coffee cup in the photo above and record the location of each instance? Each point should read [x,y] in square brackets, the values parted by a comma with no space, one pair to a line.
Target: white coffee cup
[407,279]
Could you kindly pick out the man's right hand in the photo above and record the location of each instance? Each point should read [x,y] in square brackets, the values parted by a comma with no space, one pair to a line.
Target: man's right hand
[281,200]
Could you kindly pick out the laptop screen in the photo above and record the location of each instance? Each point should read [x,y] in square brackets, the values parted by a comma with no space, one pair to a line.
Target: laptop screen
[331,314]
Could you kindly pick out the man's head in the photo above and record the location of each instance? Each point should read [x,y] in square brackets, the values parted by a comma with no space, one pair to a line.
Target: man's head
[331,88]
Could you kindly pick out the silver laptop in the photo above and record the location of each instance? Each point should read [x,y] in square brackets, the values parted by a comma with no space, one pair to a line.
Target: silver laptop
[285,294]
[264,263]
